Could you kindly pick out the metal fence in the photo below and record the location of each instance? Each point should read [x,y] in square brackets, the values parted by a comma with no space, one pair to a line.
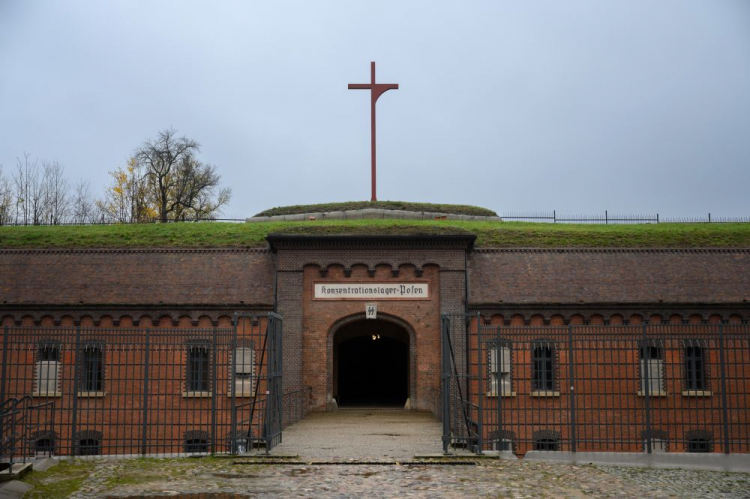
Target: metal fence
[614,218]
[23,420]
[644,388]
[145,391]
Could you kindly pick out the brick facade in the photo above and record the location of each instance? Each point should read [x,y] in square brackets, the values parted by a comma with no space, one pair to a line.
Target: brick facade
[537,288]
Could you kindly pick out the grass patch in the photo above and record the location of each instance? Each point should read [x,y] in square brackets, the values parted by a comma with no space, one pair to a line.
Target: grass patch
[489,234]
[59,481]
[453,209]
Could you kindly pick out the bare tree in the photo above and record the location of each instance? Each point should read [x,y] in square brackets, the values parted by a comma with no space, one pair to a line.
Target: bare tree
[29,192]
[6,199]
[159,159]
[83,209]
[195,191]
[55,193]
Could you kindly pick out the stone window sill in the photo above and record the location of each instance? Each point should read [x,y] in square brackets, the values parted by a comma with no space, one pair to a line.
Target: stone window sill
[505,394]
[545,393]
[660,393]
[197,395]
[91,395]
[697,393]
[46,394]
[240,395]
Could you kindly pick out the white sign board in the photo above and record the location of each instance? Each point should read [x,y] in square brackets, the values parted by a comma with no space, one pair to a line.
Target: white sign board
[371,310]
[371,291]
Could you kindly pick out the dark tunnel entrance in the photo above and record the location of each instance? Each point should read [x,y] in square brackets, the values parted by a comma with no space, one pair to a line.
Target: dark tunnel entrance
[371,364]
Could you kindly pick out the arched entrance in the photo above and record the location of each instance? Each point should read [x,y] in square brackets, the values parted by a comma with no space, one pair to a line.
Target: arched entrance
[371,363]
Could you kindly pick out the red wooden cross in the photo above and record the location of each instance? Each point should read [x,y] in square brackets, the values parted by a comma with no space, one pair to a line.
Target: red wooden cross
[376,90]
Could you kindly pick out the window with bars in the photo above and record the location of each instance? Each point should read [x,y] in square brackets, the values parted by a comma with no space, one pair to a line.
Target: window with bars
[652,370]
[89,443]
[92,368]
[699,441]
[47,369]
[196,441]
[198,368]
[695,368]
[499,364]
[243,365]
[43,442]
[548,440]
[543,364]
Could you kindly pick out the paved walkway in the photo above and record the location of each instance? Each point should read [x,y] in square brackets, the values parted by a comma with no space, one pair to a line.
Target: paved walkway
[362,434]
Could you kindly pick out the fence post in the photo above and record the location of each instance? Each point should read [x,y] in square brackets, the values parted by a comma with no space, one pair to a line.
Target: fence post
[444,323]
[213,392]
[572,399]
[645,366]
[5,364]
[74,417]
[554,216]
[480,391]
[709,218]
[144,417]
[657,218]
[724,405]
[233,388]
[606,217]
[500,392]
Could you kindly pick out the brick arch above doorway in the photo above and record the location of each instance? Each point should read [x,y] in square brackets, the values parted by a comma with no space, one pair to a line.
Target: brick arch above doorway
[360,317]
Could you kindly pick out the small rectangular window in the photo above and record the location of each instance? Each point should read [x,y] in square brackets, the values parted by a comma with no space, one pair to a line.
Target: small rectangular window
[500,368]
[652,370]
[92,368]
[549,444]
[695,368]
[47,369]
[244,358]
[198,363]
[544,369]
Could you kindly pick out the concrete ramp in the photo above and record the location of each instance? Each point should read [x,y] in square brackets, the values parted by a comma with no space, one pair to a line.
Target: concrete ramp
[362,434]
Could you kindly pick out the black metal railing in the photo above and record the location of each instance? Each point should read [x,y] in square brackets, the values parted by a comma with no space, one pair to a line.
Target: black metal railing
[631,388]
[614,218]
[23,421]
[150,390]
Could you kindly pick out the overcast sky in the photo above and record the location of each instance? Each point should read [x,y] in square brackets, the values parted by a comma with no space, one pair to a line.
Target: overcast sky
[579,106]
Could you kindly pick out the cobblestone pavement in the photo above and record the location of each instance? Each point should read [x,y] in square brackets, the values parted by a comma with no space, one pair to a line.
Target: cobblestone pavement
[486,478]
[395,437]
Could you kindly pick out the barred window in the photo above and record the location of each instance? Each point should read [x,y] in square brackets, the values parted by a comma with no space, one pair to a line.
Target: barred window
[43,442]
[198,363]
[499,364]
[89,443]
[699,441]
[92,368]
[47,369]
[695,368]
[196,441]
[544,369]
[548,440]
[243,362]
[652,367]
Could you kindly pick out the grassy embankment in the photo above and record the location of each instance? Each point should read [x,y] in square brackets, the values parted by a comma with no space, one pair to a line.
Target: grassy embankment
[489,234]
[458,209]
